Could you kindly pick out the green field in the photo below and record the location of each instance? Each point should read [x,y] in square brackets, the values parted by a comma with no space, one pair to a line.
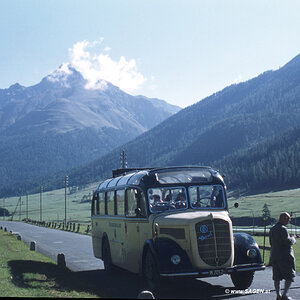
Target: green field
[288,200]
[52,206]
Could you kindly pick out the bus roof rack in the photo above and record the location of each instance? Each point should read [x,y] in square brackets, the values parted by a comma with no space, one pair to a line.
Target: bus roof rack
[123,171]
[118,172]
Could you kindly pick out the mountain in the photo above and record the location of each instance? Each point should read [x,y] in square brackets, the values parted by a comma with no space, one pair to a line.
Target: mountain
[59,123]
[218,131]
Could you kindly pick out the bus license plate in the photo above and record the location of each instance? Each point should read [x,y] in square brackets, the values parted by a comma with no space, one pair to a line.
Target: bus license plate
[216,272]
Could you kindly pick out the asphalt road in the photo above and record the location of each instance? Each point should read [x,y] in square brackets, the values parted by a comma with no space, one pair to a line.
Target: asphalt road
[78,252]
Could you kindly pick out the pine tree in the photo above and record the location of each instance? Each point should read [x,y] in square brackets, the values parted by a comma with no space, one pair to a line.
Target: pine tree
[266,211]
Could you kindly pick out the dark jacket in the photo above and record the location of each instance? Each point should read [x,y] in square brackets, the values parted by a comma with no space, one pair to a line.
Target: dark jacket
[281,244]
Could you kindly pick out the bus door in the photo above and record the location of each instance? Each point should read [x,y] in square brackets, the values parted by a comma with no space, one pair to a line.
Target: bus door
[137,229]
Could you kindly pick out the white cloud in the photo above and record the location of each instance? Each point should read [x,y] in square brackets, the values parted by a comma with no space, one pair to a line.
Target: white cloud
[98,67]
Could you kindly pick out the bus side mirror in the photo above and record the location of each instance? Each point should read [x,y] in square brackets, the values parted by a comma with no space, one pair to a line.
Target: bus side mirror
[236,204]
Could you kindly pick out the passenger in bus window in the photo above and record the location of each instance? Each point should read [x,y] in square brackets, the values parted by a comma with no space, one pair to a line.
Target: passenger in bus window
[180,201]
[180,197]
[156,198]
[216,199]
[155,202]
[150,194]
[168,198]
[219,200]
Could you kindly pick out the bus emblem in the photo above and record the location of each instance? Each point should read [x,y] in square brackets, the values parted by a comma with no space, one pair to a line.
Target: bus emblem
[203,228]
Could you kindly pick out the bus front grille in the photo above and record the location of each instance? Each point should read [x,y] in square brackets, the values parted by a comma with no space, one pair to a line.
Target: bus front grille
[213,238]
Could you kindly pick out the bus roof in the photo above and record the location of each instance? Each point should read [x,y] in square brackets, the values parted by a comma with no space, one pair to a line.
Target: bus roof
[162,176]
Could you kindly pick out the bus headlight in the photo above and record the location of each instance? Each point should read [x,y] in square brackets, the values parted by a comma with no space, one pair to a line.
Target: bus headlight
[175,259]
[251,253]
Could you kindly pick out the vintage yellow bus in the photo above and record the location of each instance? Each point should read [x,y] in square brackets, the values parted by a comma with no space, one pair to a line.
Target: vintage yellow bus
[170,222]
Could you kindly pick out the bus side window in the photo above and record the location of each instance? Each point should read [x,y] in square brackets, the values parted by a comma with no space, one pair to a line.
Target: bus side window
[110,203]
[105,201]
[97,203]
[135,205]
[93,205]
[115,204]
[120,202]
[141,203]
[102,203]
[131,203]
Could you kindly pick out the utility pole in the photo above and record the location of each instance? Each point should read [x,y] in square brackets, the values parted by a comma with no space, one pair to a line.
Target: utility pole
[20,211]
[26,205]
[3,209]
[123,158]
[41,191]
[66,184]
[12,216]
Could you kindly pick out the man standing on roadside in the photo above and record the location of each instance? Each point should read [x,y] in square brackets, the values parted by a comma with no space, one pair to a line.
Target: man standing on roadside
[282,255]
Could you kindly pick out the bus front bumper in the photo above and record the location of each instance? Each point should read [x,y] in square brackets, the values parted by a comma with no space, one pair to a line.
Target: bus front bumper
[218,272]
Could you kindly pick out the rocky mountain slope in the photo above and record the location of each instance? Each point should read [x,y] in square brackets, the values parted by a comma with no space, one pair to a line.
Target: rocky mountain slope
[59,123]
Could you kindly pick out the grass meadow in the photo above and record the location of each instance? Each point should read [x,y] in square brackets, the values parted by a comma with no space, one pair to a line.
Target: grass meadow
[50,206]
[288,200]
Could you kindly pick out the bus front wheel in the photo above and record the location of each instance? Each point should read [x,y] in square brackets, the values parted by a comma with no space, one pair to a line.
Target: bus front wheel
[151,274]
[106,257]
[242,280]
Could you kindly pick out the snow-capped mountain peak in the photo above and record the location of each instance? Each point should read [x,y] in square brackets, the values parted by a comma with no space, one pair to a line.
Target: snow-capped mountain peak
[65,76]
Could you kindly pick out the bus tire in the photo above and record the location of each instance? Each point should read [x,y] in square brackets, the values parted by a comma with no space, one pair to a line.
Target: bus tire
[106,256]
[150,272]
[242,280]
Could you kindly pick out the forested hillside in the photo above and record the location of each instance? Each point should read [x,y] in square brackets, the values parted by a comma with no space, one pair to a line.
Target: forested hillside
[249,131]
[271,165]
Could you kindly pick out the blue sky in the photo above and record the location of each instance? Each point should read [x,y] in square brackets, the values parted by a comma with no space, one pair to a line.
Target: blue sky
[179,51]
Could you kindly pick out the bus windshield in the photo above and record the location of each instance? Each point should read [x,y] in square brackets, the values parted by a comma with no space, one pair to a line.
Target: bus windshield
[200,197]
[162,199]
[206,196]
